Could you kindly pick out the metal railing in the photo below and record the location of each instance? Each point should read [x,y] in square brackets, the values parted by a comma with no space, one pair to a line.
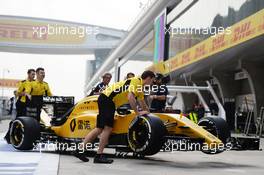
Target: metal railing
[197,89]
[260,122]
[144,9]
[248,120]
[248,110]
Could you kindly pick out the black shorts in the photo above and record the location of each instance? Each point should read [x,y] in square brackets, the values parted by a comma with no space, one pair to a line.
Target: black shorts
[106,112]
[20,108]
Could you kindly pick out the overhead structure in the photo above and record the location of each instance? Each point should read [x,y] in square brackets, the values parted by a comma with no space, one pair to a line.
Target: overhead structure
[222,45]
[46,36]
[131,44]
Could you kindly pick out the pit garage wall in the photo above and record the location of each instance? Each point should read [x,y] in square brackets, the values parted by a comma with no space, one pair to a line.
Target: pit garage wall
[230,90]
[234,92]
[245,60]
[256,82]
[250,87]
[240,76]
[234,54]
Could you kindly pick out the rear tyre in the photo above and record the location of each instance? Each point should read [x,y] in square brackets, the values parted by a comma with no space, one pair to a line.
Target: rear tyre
[146,135]
[24,132]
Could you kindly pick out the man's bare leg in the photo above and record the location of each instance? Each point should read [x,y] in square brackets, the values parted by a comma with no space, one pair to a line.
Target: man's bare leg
[91,136]
[88,139]
[104,139]
[99,158]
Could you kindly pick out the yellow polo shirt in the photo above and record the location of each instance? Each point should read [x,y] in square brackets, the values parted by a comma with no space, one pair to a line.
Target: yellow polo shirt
[118,92]
[24,86]
[40,88]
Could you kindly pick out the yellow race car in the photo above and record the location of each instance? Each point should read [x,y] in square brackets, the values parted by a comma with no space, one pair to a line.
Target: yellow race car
[141,135]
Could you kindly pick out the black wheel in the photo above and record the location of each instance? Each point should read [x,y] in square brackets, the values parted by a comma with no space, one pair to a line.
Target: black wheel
[24,132]
[219,128]
[146,135]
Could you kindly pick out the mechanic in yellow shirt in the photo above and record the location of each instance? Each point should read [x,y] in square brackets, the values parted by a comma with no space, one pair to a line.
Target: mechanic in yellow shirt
[23,93]
[39,88]
[119,93]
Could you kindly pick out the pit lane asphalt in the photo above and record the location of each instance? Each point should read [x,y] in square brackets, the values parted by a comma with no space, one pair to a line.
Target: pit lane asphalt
[163,163]
[14,162]
[229,162]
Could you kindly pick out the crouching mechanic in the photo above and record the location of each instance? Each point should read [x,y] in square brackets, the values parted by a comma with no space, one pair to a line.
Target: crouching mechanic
[119,93]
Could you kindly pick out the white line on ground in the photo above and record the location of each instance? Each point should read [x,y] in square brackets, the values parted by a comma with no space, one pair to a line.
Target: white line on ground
[31,162]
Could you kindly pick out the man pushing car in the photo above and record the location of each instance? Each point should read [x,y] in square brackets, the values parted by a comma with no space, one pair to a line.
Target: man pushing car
[112,97]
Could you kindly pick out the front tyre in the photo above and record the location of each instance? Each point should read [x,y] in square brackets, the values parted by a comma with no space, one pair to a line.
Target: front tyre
[219,128]
[146,135]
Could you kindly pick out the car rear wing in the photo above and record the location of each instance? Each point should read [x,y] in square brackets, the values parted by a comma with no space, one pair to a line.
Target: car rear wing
[196,89]
[59,104]
[58,99]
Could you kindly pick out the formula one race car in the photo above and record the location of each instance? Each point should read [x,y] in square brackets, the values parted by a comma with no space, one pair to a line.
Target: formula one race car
[141,135]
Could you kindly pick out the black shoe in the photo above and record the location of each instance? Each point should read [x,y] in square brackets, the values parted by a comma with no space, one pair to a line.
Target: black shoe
[81,156]
[102,159]
[7,138]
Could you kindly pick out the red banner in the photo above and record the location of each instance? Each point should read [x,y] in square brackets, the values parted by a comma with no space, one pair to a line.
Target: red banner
[9,83]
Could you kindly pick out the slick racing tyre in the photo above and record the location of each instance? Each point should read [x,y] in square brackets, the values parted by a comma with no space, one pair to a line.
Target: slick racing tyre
[24,132]
[146,135]
[219,128]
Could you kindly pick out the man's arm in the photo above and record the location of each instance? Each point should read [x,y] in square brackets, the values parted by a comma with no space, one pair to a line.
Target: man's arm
[48,91]
[100,90]
[162,96]
[158,97]
[133,103]
[97,90]
[20,89]
[143,105]
[28,90]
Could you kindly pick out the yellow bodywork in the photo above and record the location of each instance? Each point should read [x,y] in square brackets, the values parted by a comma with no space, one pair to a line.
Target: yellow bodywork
[83,119]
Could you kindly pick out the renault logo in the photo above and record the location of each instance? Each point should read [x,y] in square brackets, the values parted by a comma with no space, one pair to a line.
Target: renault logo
[73,125]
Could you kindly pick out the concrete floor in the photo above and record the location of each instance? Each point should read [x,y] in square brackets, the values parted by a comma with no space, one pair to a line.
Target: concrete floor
[230,162]
[17,162]
[34,162]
